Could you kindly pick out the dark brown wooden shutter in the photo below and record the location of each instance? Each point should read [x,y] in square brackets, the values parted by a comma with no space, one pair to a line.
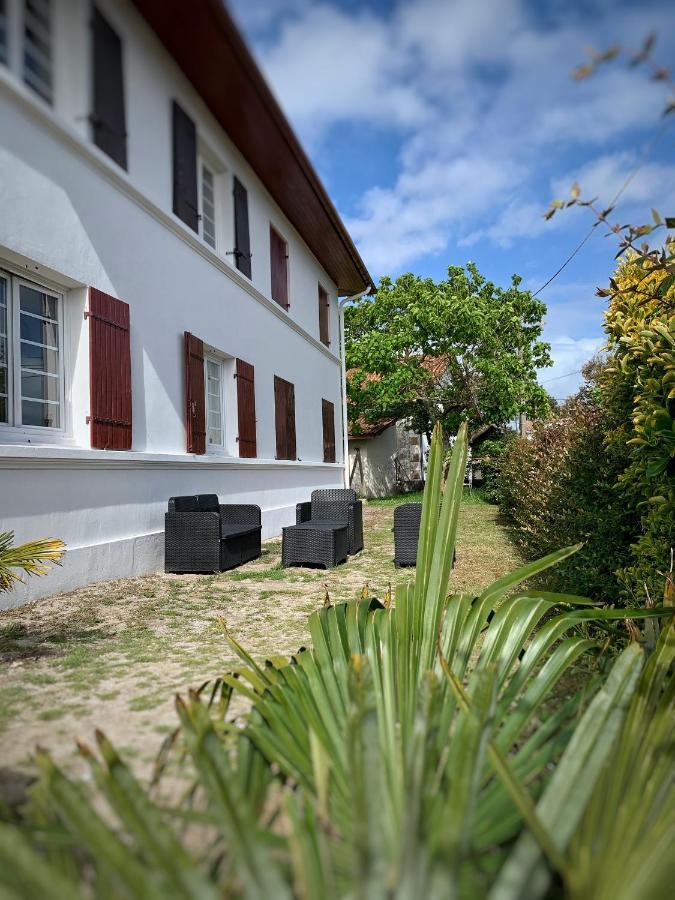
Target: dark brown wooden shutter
[279,267]
[284,418]
[328,416]
[195,395]
[185,202]
[108,114]
[246,409]
[324,310]
[242,238]
[109,372]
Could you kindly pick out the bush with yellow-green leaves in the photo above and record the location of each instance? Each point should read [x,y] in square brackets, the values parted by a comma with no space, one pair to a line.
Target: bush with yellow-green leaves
[638,389]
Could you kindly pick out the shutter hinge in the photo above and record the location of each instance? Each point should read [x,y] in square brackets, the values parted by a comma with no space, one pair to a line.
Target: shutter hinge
[91,315]
[102,420]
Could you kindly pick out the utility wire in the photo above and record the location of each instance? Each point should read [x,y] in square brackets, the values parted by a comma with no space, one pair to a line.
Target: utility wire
[558,377]
[645,154]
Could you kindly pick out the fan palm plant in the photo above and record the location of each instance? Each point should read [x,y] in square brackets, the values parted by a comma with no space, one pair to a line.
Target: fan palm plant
[33,558]
[400,757]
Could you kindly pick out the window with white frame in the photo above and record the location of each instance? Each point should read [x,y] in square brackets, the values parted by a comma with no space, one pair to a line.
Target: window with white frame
[3,31]
[207,204]
[37,47]
[31,354]
[215,423]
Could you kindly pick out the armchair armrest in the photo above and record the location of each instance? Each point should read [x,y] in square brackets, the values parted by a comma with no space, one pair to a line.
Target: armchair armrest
[247,514]
[303,512]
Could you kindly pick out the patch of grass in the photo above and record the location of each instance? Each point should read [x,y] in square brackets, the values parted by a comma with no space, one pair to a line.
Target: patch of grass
[12,631]
[397,499]
[148,701]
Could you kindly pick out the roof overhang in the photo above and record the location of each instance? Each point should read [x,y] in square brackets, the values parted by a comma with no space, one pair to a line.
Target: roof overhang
[203,39]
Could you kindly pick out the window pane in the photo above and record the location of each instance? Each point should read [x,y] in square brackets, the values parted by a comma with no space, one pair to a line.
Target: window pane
[208,208]
[39,303]
[3,351]
[40,358]
[3,409]
[39,387]
[214,403]
[45,415]
[39,331]
[3,320]
[37,58]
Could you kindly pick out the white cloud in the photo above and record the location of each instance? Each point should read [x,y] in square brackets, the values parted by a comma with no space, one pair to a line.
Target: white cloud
[569,355]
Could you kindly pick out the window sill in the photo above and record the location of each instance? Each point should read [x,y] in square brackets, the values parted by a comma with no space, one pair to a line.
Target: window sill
[20,456]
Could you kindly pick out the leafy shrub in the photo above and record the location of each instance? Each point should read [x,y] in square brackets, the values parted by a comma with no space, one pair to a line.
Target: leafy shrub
[638,389]
[560,487]
[492,453]
[401,756]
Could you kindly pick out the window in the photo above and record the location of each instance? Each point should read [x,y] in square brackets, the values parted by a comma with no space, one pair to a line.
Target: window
[108,118]
[31,355]
[207,211]
[37,47]
[284,418]
[324,311]
[215,433]
[279,267]
[3,31]
[185,192]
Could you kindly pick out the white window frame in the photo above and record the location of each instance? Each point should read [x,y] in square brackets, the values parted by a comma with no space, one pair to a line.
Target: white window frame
[201,165]
[217,361]
[13,429]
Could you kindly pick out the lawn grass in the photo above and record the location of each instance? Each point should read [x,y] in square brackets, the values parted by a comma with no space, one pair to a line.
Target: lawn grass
[114,655]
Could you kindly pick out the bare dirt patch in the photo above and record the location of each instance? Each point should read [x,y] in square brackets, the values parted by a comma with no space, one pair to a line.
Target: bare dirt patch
[114,655]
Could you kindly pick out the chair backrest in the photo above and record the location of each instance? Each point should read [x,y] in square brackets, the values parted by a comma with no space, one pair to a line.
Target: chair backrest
[409,514]
[331,495]
[194,503]
[332,504]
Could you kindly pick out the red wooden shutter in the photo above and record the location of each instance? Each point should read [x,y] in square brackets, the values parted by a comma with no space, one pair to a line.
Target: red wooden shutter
[328,417]
[195,395]
[323,317]
[109,372]
[279,267]
[246,409]
[284,418]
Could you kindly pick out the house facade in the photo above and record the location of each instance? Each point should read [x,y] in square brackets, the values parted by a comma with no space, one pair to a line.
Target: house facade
[170,267]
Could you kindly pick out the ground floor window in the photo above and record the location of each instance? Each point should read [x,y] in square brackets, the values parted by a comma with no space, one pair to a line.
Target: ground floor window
[215,431]
[31,354]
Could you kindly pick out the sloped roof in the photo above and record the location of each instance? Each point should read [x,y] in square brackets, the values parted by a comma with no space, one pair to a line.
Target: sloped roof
[203,39]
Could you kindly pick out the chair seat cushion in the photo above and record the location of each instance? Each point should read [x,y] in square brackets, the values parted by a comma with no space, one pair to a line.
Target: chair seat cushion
[234,530]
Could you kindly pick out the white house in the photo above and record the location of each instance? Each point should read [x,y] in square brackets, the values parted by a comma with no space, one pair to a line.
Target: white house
[170,267]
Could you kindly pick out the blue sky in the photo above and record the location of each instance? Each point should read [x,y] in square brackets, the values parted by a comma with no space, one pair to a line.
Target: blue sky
[442,128]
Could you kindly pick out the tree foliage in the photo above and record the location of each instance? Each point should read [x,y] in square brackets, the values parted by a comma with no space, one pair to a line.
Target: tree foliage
[458,349]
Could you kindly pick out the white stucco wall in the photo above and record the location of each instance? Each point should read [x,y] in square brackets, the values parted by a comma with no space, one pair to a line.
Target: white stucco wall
[72,219]
[377,458]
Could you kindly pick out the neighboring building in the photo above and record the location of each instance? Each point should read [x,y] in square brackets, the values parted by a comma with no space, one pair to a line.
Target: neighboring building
[386,458]
[169,272]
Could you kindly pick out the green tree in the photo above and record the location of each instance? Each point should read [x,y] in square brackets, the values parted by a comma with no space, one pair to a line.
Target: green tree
[458,349]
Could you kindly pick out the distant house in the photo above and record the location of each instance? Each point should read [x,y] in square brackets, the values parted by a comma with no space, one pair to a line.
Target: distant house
[386,458]
[170,266]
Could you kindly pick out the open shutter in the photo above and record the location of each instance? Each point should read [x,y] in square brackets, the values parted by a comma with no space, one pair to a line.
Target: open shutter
[108,116]
[242,239]
[246,409]
[195,396]
[284,417]
[328,416]
[185,202]
[323,317]
[279,267]
[109,372]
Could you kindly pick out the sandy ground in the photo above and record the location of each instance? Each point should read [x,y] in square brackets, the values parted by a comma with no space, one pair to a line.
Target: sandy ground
[114,655]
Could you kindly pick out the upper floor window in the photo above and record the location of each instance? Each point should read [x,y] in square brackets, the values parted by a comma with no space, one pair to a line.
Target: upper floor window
[324,314]
[37,47]
[207,204]
[279,268]
[31,354]
[108,119]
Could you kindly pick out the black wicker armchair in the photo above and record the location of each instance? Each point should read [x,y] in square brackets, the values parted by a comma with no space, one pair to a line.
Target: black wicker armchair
[338,505]
[203,535]
[407,519]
